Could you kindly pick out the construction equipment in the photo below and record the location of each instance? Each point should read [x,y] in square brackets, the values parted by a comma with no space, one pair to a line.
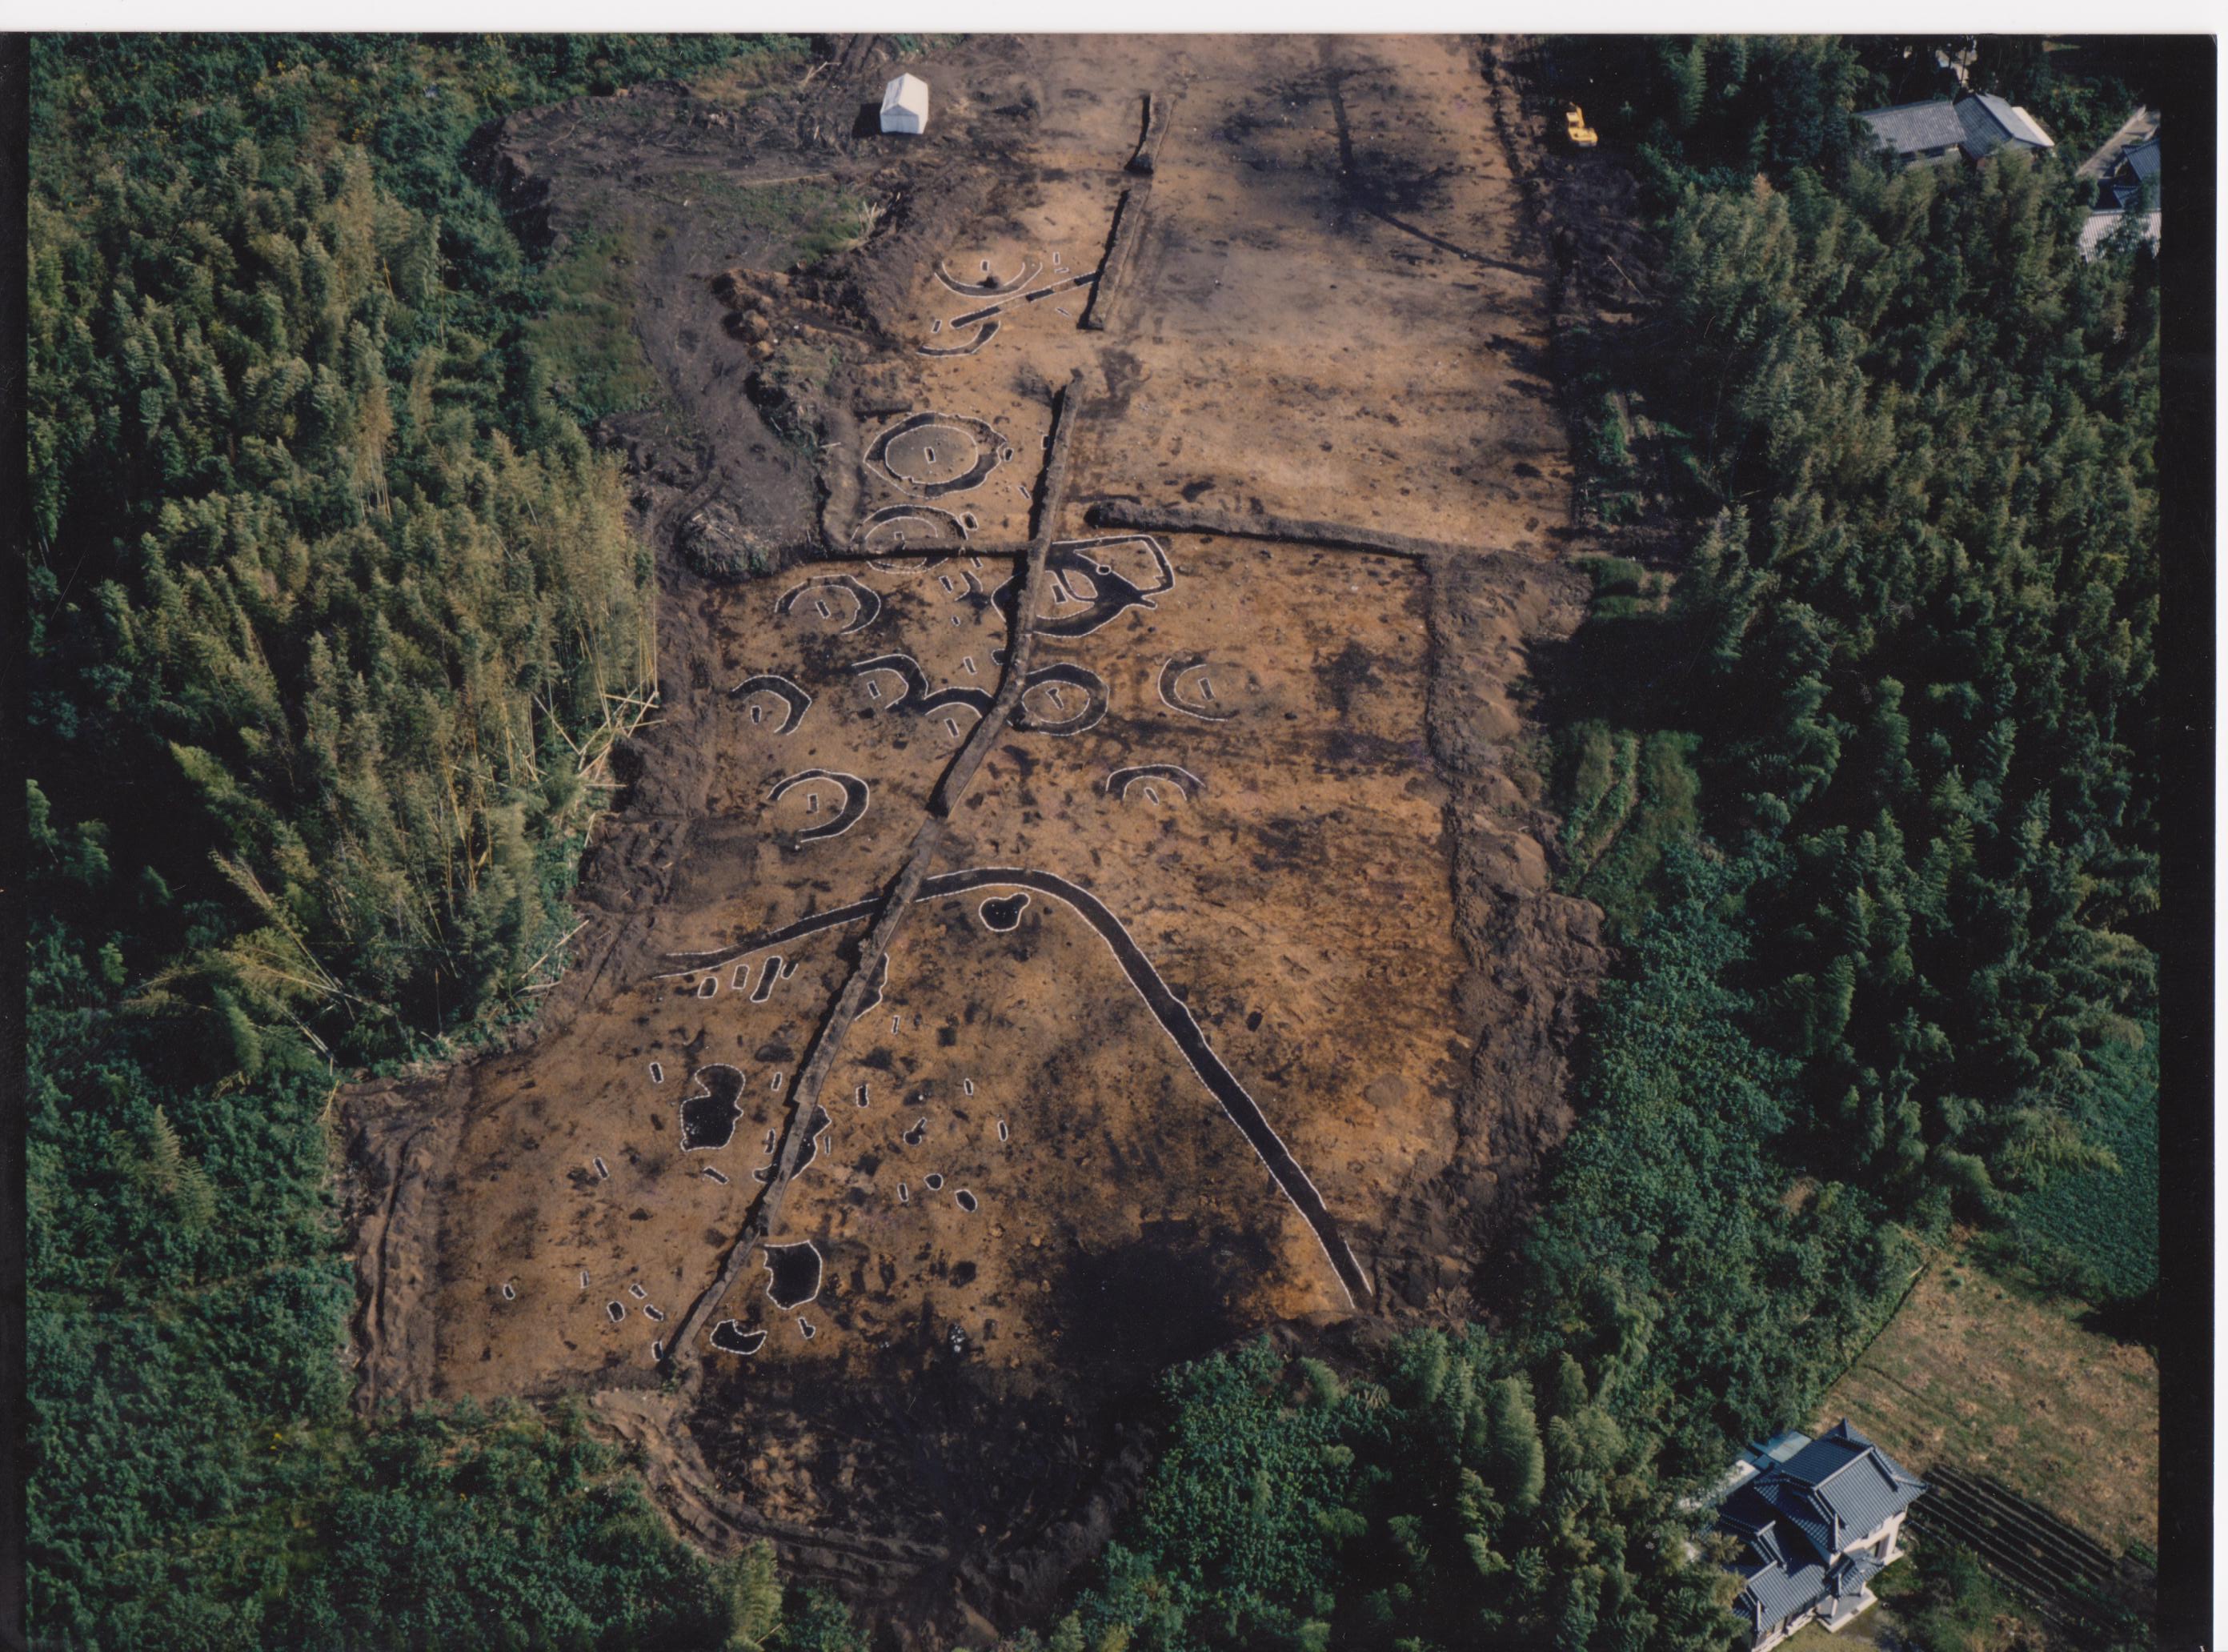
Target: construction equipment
[1574,125]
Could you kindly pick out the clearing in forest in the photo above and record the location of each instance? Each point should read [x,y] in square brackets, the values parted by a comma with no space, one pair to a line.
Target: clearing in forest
[1226,990]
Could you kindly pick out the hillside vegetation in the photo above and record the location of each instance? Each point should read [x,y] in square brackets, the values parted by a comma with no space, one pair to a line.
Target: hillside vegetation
[333,611]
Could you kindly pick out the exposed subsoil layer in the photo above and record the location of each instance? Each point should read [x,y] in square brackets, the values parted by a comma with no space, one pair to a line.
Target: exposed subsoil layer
[1228,992]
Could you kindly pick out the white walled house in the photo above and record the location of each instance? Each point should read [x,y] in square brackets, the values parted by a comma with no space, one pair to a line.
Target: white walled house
[1814,1527]
[905,104]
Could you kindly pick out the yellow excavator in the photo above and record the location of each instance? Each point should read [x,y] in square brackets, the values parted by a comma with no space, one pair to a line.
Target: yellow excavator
[1574,126]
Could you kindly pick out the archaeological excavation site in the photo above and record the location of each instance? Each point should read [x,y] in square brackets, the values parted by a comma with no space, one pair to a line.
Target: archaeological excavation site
[1080,900]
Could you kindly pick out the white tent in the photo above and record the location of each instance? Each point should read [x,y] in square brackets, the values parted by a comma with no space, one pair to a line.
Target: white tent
[905,104]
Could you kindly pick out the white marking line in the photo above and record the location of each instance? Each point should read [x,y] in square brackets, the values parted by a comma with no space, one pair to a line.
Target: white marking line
[1151,796]
[874,689]
[968,1084]
[1186,1009]
[866,796]
[656,1313]
[904,1197]
[716,1176]
[768,1266]
[777,1081]
[657,1350]
[584,1278]
[862,1097]
[951,728]
[806,1325]
[967,666]
[758,713]
[1001,1130]
[603,1169]
[709,985]
[1188,711]
[894,1021]
[1136,779]
[636,1292]
[741,978]
[657,1073]
[617,1310]
[510,1293]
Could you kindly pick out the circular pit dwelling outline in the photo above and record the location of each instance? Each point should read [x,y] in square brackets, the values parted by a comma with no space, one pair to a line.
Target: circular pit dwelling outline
[867,602]
[855,792]
[933,454]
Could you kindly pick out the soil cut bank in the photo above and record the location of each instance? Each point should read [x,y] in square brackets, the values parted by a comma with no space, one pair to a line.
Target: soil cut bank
[1072,947]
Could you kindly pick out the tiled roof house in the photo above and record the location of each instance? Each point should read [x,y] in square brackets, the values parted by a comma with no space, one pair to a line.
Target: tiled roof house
[1814,1526]
[1974,124]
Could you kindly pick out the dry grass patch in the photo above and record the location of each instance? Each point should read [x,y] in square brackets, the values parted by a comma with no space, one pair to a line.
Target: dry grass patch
[1984,1372]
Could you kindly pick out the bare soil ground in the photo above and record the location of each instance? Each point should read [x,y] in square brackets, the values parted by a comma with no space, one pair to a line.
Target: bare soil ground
[1266,792]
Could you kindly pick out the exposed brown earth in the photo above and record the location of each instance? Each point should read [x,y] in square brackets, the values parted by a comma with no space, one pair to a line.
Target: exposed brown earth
[1255,1011]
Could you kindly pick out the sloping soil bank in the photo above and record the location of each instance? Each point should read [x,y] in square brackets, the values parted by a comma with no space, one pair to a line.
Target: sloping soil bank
[1026,953]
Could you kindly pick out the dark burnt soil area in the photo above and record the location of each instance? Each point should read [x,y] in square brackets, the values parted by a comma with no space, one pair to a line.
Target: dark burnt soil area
[997,1484]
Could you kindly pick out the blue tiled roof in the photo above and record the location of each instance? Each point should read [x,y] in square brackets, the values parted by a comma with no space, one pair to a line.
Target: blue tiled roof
[1794,1518]
[1990,124]
[1849,1578]
[1773,1594]
[1916,128]
[2137,166]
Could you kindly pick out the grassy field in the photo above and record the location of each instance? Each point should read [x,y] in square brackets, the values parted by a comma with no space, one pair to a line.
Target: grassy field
[2108,1218]
[1988,1373]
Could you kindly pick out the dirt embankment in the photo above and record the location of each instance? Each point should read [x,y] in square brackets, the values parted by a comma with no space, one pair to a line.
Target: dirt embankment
[1234,993]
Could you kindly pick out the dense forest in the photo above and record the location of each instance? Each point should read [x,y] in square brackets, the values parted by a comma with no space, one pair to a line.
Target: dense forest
[335,611]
